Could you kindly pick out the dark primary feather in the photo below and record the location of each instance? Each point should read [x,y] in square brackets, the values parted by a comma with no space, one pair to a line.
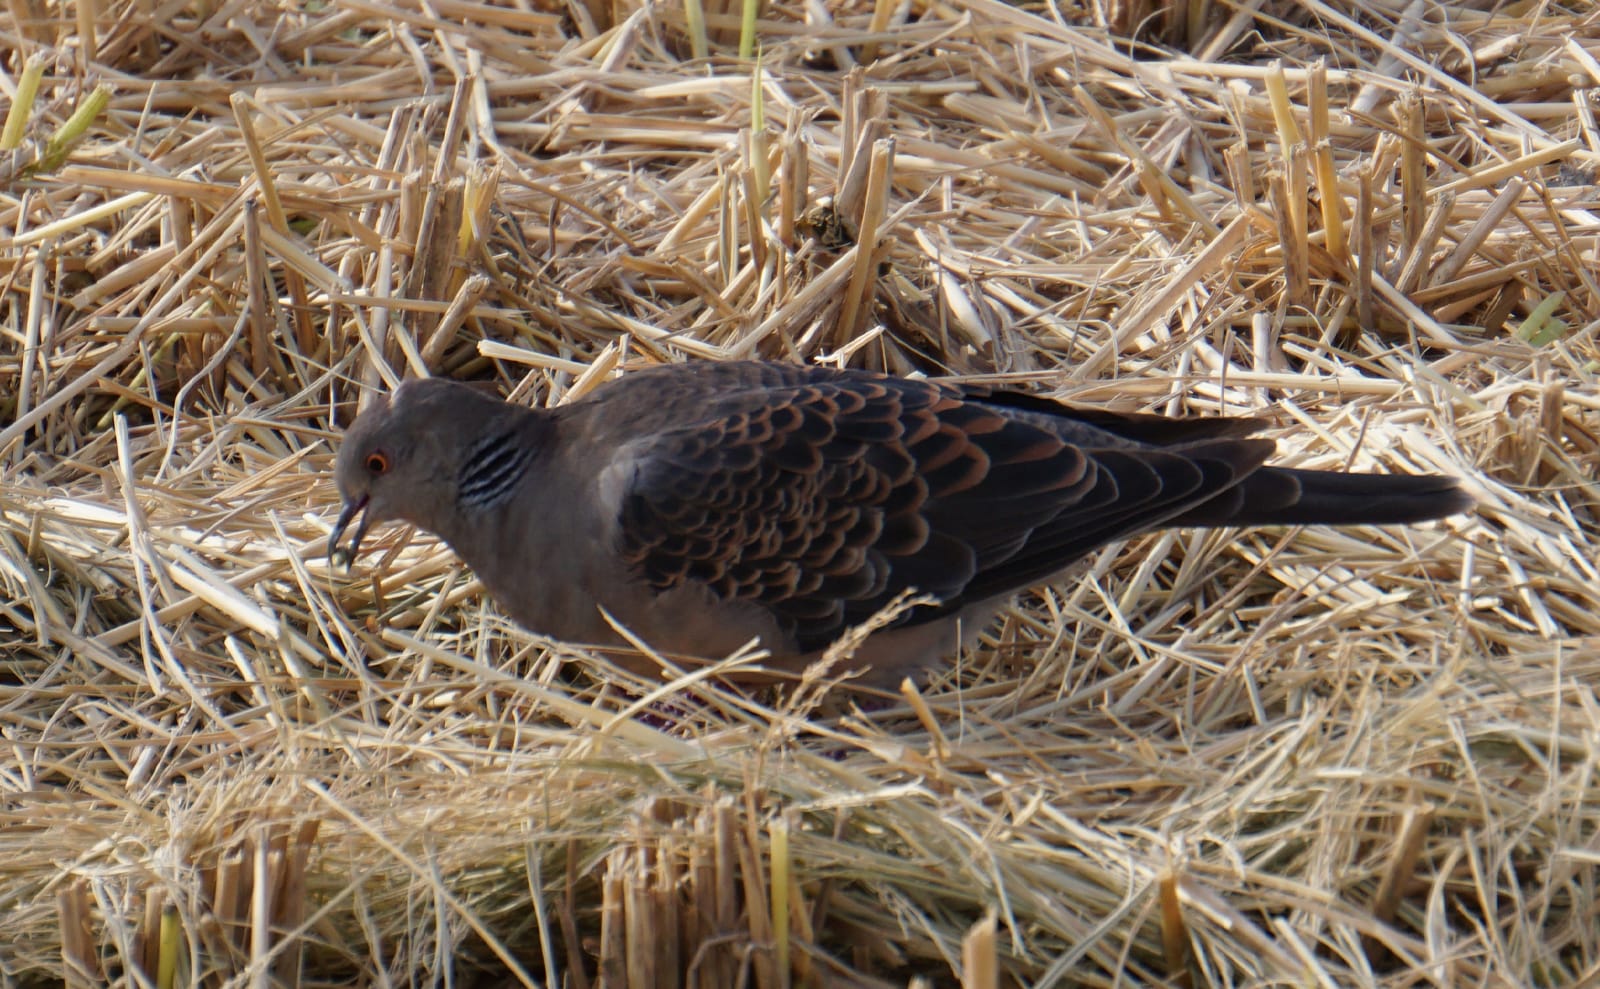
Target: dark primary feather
[820,495]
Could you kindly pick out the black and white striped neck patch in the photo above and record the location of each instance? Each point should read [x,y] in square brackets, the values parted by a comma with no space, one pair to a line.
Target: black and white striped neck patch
[491,471]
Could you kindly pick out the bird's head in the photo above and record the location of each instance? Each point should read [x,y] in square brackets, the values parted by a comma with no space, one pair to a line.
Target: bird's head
[401,458]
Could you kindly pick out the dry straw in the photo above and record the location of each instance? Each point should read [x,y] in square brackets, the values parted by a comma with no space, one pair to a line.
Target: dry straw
[1311,758]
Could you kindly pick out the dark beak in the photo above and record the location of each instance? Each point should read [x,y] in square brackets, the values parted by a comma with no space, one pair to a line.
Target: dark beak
[341,556]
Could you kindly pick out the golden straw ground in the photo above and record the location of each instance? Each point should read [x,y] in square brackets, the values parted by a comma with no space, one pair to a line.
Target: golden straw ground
[1317,757]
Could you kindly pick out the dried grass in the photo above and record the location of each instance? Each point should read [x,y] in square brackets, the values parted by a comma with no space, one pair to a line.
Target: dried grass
[1317,757]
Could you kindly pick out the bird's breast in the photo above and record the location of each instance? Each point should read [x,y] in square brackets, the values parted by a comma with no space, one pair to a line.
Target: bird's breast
[557,571]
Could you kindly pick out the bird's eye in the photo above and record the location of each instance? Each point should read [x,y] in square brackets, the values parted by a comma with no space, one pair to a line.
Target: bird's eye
[378,462]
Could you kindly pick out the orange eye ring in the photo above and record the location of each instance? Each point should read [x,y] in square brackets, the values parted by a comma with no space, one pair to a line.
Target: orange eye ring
[378,462]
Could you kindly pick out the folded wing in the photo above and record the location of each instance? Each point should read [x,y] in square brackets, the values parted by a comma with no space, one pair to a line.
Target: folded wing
[820,500]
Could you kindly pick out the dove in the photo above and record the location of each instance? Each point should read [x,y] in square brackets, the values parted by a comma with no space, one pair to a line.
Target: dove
[706,504]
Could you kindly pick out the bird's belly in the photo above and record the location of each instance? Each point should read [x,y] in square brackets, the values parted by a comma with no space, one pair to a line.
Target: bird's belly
[690,622]
[686,622]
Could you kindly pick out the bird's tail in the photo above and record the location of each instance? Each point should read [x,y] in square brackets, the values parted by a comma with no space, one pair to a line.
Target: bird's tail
[1286,496]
